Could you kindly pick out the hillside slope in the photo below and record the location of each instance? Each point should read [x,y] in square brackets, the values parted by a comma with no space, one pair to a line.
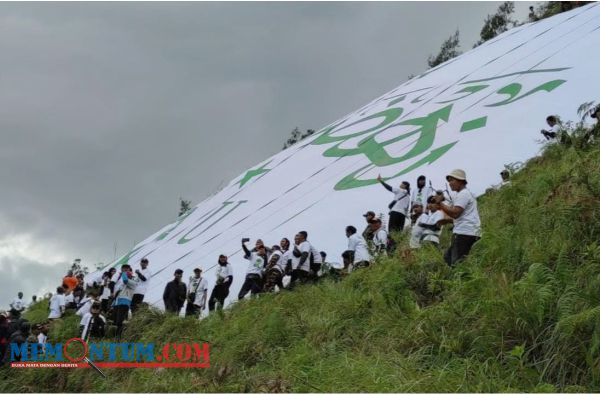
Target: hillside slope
[521,314]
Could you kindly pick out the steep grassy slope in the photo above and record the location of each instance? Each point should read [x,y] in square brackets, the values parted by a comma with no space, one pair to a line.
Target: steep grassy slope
[521,314]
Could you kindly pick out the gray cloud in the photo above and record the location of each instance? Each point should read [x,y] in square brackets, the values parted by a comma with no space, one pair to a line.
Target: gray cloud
[30,277]
[111,111]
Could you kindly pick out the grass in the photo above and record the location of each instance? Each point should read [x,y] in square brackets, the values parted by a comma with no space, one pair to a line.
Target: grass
[522,313]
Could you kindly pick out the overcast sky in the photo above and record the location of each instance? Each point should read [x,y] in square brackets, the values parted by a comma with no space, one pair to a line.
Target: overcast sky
[111,111]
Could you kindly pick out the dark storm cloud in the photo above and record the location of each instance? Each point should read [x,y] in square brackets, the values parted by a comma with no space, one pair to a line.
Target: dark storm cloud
[111,111]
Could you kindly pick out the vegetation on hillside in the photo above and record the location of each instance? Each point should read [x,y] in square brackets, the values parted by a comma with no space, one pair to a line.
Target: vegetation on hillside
[522,313]
[499,22]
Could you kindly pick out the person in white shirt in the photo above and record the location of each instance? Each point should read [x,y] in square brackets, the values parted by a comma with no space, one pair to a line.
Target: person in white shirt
[197,291]
[57,304]
[43,337]
[114,277]
[69,300]
[380,238]
[315,262]
[18,304]
[301,256]
[286,256]
[275,270]
[84,309]
[357,254]
[253,282]
[85,305]
[553,133]
[221,289]
[505,178]
[467,225]
[259,243]
[105,292]
[399,206]
[93,324]
[416,232]
[143,274]
[421,193]
[505,175]
[431,224]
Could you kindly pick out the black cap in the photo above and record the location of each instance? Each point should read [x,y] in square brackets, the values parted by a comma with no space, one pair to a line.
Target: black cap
[369,213]
[178,271]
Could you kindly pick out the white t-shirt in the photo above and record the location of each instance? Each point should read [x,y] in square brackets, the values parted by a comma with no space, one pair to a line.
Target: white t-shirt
[431,219]
[280,264]
[468,223]
[116,276]
[69,298]
[56,302]
[420,196]
[223,272]
[303,247]
[358,245]
[118,282]
[416,232]
[380,238]
[18,304]
[143,285]
[286,256]
[42,340]
[402,200]
[255,265]
[105,293]
[316,255]
[201,285]
[85,308]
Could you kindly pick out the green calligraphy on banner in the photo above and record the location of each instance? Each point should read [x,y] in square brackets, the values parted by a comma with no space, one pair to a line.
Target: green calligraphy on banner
[413,138]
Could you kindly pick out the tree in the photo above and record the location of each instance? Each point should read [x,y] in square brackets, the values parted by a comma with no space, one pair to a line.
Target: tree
[498,23]
[297,136]
[448,50]
[79,268]
[184,206]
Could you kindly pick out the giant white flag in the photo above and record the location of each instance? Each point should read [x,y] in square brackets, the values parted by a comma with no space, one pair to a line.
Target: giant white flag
[478,112]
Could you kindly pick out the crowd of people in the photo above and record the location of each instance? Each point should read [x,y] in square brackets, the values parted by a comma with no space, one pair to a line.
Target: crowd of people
[118,294]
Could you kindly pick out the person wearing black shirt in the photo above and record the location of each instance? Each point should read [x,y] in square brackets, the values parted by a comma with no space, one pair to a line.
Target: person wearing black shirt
[175,293]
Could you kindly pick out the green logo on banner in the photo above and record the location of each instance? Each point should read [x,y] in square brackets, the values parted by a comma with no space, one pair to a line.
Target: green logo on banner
[365,136]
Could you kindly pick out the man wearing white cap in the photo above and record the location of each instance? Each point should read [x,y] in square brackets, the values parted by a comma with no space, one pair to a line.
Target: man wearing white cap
[467,225]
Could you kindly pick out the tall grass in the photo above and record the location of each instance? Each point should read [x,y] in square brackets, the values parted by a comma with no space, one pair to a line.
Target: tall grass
[522,313]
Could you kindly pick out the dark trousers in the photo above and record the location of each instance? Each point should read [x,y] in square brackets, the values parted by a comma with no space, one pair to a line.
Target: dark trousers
[191,309]
[252,284]
[298,276]
[459,248]
[218,294]
[121,312]
[396,223]
[136,301]
[314,271]
[361,264]
[104,305]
